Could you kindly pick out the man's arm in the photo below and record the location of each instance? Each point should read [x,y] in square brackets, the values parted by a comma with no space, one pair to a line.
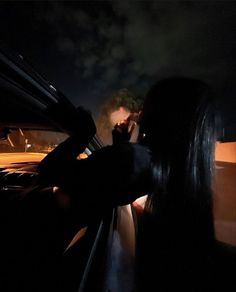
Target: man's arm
[63,157]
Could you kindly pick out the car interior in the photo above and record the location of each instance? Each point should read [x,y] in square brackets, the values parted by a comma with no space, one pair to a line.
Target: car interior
[73,260]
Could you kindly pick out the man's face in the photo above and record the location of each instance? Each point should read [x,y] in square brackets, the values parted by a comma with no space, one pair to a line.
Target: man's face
[122,114]
[119,115]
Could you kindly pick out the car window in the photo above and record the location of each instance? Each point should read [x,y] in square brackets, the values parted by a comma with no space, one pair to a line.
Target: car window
[25,140]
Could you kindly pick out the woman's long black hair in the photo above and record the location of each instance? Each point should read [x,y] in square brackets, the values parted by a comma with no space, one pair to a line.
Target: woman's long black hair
[178,124]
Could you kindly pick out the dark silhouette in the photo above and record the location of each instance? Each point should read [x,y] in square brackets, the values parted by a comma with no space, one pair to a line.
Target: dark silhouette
[176,240]
[114,175]
[176,245]
[122,131]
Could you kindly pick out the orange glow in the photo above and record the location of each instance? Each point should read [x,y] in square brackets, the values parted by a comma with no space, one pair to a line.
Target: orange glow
[8,158]
[119,115]
[225,192]
[77,237]
[82,156]
[226,152]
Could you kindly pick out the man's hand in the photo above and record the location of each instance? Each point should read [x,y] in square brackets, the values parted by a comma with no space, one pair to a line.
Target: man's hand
[123,130]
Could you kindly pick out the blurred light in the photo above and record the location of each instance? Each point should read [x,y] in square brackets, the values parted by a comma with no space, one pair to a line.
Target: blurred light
[82,156]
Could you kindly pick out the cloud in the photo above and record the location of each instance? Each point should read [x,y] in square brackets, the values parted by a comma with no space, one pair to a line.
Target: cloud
[89,64]
[66,45]
[118,52]
[81,19]
[131,44]
[177,38]
[111,75]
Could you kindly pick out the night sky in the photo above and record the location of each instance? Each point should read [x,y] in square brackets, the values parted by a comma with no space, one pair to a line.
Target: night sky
[89,49]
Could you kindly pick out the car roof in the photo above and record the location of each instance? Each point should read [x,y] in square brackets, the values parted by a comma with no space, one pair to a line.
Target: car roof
[26,98]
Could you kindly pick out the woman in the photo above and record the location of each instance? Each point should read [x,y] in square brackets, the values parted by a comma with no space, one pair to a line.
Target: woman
[176,235]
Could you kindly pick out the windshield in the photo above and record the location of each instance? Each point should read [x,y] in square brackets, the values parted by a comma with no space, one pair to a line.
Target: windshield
[27,140]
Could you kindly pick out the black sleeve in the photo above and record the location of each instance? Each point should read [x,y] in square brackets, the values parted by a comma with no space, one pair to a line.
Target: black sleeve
[62,160]
[114,175]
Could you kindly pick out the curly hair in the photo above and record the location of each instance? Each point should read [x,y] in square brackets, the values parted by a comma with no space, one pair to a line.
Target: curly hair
[121,98]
